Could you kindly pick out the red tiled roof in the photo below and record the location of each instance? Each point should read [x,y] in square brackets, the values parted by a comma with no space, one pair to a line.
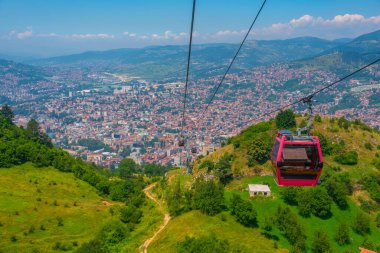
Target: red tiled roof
[366,251]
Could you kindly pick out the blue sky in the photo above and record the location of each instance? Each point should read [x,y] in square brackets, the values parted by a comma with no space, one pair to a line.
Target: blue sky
[58,27]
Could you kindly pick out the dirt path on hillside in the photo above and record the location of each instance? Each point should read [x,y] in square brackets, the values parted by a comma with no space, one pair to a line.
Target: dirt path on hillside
[144,248]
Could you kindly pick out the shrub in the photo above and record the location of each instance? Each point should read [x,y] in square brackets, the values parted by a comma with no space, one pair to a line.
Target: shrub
[32,229]
[362,224]
[236,144]
[343,123]
[59,221]
[207,164]
[317,118]
[94,246]
[113,232]
[326,145]
[204,244]
[348,158]
[130,214]
[62,247]
[368,146]
[321,243]
[343,234]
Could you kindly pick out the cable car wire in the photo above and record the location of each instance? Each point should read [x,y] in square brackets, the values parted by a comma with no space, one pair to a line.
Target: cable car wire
[318,91]
[233,60]
[188,66]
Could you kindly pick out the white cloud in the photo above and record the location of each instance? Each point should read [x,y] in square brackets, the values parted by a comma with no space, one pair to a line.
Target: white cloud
[28,33]
[128,34]
[304,20]
[88,36]
[227,33]
[339,26]
[347,25]
[22,35]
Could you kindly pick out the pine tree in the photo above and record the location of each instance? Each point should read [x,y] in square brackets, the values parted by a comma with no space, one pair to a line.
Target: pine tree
[7,113]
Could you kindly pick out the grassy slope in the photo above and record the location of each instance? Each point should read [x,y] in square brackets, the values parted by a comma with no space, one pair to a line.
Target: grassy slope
[150,222]
[354,138]
[266,207]
[195,223]
[20,208]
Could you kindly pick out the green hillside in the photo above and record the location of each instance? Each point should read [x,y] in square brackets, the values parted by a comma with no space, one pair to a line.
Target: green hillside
[359,184]
[51,202]
[40,207]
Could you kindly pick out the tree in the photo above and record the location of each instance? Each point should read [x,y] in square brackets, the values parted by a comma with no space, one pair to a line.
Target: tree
[362,223]
[223,168]
[7,113]
[174,199]
[285,119]
[343,234]
[126,168]
[315,201]
[287,222]
[113,232]
[207,164]
[321,243]
[33,131]
[377,220]
[325,143]
[337,191]
[258,151]
[304,203]
[243,211]
[130,214]
[208,196]
[290,194]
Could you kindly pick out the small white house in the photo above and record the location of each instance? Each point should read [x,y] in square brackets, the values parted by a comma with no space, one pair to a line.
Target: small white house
[258,189]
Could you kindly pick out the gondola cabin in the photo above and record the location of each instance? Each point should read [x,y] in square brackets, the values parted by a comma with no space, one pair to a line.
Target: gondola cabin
[296,160]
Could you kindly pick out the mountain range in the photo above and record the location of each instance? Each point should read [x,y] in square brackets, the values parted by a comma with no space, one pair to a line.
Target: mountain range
[158,62]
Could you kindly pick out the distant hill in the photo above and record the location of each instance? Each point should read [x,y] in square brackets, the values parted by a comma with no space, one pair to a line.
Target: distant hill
[358,51]
[170,61]
[19,81]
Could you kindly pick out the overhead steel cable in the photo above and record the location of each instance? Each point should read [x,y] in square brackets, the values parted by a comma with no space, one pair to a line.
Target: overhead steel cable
[188,67]
[233,60]
[317,91]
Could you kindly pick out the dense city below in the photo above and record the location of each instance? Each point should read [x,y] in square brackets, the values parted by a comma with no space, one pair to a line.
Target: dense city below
[104,115]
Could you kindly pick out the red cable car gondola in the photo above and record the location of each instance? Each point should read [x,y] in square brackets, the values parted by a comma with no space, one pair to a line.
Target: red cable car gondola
[297,159]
